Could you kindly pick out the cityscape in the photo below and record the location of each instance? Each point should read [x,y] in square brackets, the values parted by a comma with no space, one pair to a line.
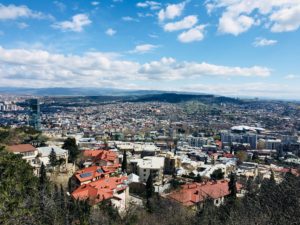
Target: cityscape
[92,132]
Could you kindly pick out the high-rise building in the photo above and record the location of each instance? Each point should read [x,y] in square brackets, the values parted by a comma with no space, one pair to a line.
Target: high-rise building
[34,116]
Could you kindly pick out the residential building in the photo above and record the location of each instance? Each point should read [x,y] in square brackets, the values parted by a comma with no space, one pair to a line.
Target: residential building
[93,173]
[143,168]
[114,189]
[28,152]
[100,158]
[196,193]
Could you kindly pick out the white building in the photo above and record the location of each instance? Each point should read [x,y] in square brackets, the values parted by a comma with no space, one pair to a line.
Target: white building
[29,153]
[147,165]
[44,153]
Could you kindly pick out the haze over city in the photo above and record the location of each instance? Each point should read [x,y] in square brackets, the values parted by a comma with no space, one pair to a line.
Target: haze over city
[232,48]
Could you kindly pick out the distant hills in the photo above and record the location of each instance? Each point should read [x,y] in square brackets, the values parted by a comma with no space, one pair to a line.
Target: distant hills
[97,95]
[75,91]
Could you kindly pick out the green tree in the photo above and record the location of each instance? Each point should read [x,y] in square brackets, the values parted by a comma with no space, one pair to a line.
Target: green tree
[217,175]
[149,186]
[71,146]
[242,156]
[42,177]
[232,186]
[18,188]
[52,158]
[124,162]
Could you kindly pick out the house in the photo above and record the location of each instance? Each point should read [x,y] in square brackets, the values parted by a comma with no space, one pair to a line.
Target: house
[194,194]
[28,152]
[44,152]
[100,158]
[93,173]
[114,189]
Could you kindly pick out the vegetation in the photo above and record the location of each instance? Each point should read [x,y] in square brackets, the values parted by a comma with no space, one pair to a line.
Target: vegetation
[71,146]
[22,135]
[124,162]
[217,175]
[52,158]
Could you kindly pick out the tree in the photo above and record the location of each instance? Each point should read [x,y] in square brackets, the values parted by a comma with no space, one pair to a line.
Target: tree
[149,186]
[52,158]
[124,162]
[232,186]
[42,177]
[71,146]
[62,198]
[272,178]
[18,188]
[217,175]
[198,178]
[255,156]
[242,156]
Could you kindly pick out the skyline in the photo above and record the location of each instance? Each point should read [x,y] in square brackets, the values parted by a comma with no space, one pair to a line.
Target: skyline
[224,47]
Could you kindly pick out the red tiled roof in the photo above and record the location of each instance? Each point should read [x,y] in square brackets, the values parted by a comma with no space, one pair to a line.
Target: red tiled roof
[92,172]
[100,190]
[228,155]
[191,194]
[101,155]
[21,148]
[285,170]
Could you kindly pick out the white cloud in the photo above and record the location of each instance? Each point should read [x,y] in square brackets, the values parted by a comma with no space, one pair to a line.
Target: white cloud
[194,34]
[171,11]
[170,69]
[153,35]
[286,19]
[235,25]
[143,15]
[149,4]
[77,23]
[110,32]
[291,76]
[95,3]
[40,68]
[23,25]
[261,42]
[145,48]
[129,18]
[239,16]
[12,12]
[61,6]
[257,89]
[186,23]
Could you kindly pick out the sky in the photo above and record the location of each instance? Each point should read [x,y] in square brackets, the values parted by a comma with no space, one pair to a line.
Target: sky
[225,47]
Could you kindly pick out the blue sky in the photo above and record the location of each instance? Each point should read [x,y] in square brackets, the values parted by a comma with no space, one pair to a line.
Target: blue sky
[227,47]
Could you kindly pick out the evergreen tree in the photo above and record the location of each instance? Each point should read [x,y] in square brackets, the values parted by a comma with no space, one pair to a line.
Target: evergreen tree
[52,158]
[71,146]
[124,162]
[42,192]
[62,198]
[198,178]
[217,175]
[42,177]
[56,196]
[149,186]
[232,186]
